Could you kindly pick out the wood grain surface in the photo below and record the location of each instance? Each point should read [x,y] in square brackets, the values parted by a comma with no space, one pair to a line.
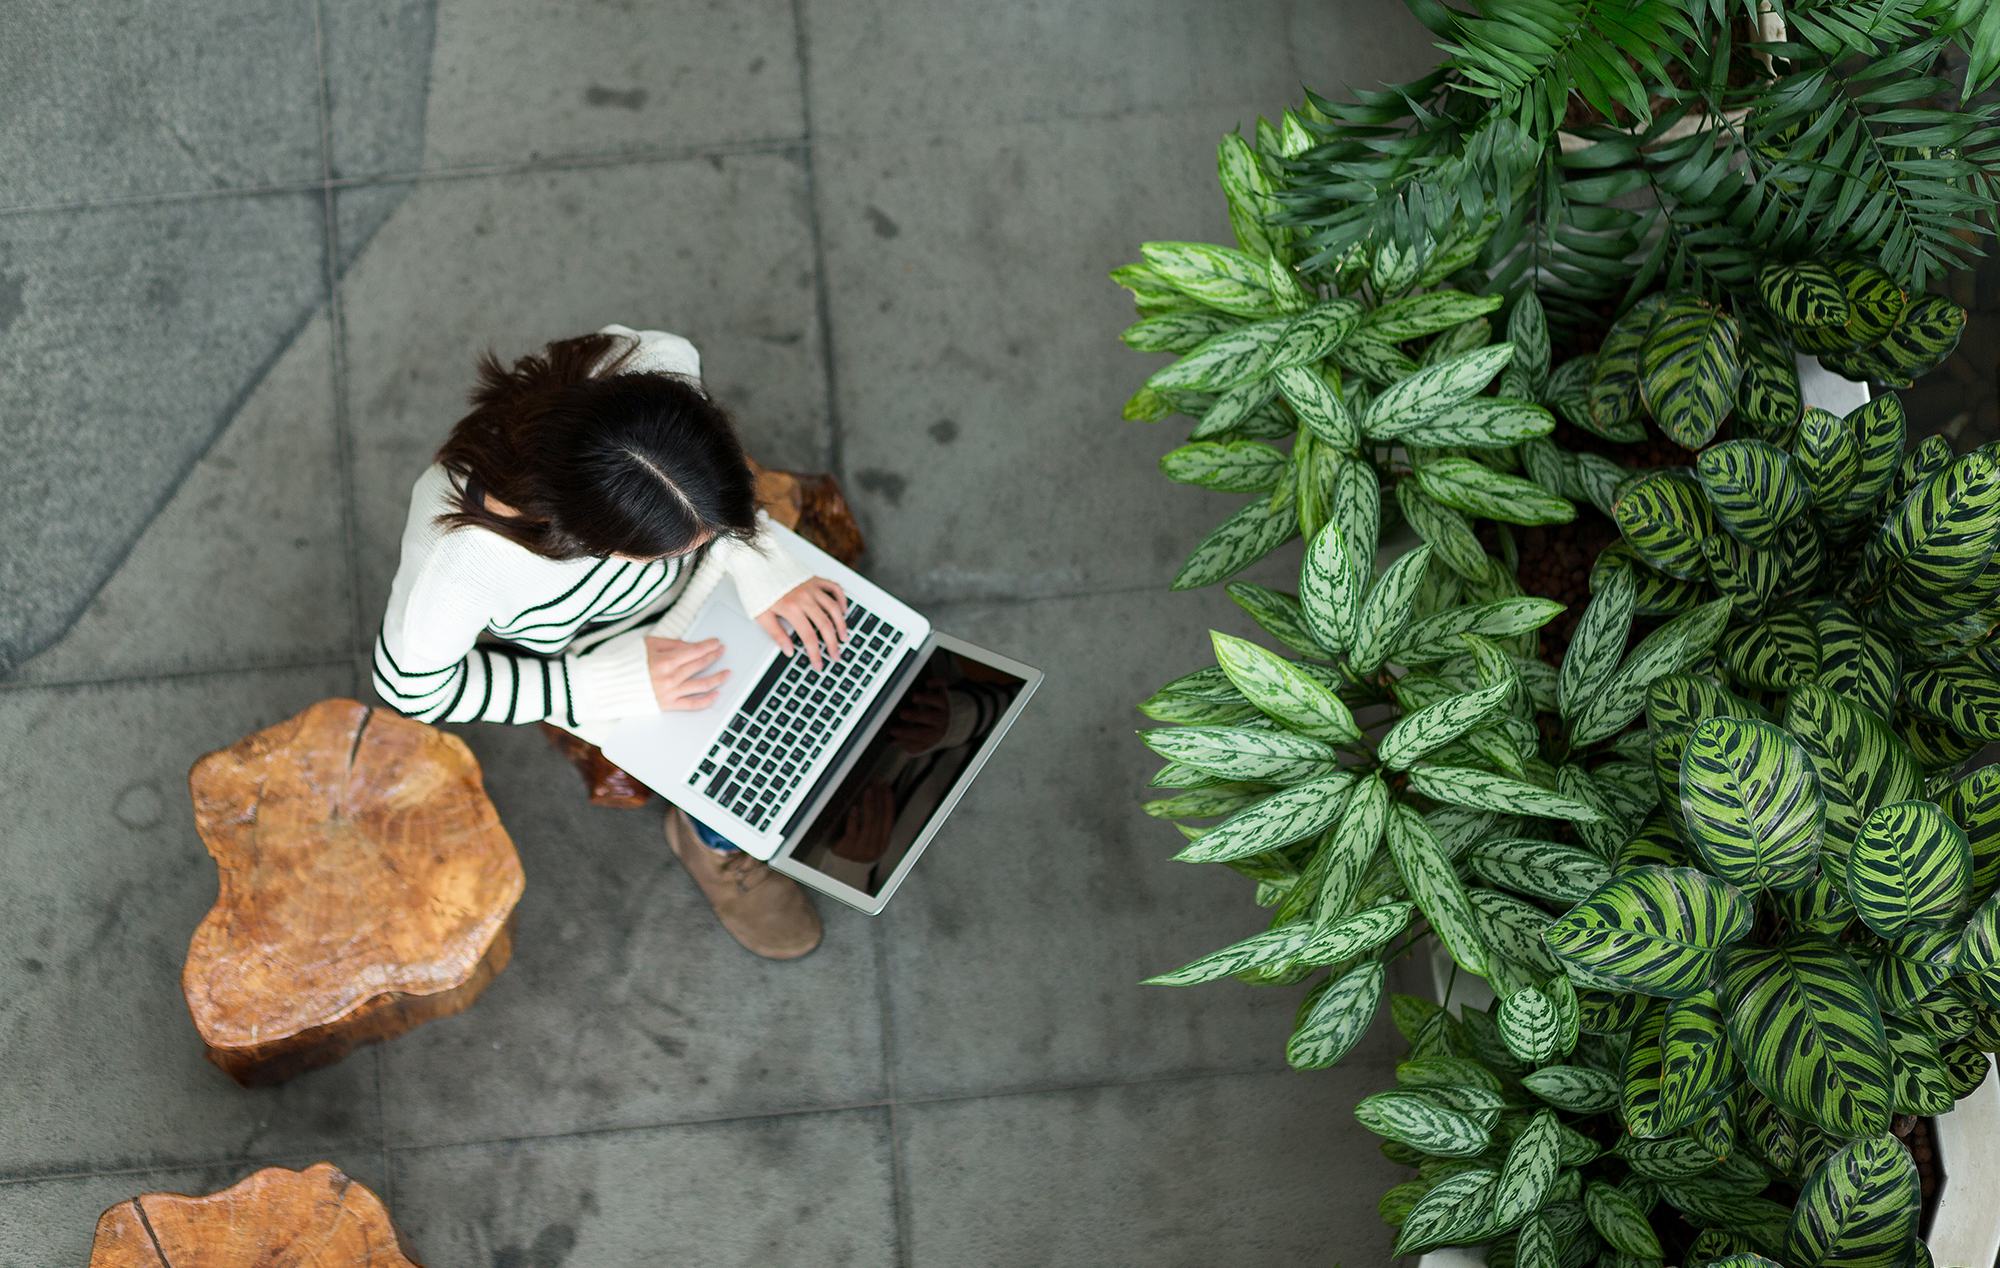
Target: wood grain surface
[316,1218]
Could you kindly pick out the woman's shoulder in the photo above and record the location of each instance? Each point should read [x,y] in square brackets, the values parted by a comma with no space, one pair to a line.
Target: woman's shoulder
[658,352]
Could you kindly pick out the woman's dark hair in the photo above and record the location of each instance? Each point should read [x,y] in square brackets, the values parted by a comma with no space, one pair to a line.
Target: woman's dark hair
[596,462]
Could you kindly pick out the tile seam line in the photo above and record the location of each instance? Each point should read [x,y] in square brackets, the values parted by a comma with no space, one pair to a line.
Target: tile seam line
[523,167]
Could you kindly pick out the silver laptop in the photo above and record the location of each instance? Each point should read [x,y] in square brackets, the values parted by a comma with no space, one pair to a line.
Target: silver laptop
[840,776]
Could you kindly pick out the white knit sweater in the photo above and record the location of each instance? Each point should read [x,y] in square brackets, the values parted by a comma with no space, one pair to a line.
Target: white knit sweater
[480,629]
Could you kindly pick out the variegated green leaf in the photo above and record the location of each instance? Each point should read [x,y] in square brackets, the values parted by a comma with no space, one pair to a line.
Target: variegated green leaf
[1514,929]
[1963,695]
[1236,543]
[1318,406]
[1370,356]
[1478,490]
[1241,412]
[1438,724]
[1356,935]
[1312,336]
[1804,1024]
[1219,277]
[1451,1211]
[1614,379]
[1528,331]
[1338,1018]
[1273,946]
[1247,186]
[1415,400]
[1655,930]
[1418,315]
[1674,1158]
[1859,1207]
[1857,761]
[1753,487]
[1856,662]
[1223,361]
[1483,422]
[1440,636]
[1533,1161]
[1753,808]
[1350,847]
[1688,369]
[1803,294]
[1207,803]
[1327,590]
[1916,1070]
[1696,1063]
[1446,531]
[1619,1220]
[1483,790]
[1236,466]
[1910,869]
[1530,1026]
[1664,516]
[1445,1072]
[1573,1088]
[1276,821]
[1422,1123]
[1749,577]
[1598,642]
[1544,869]
[1181,331]
[1269,757]
[1921,339]
[1279,614]
[1428,872]
[1671,648]
[1386,610]
[1281,689]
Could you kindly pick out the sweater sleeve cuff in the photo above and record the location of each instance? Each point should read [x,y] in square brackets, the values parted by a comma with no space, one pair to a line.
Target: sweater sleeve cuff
[613,681]
[764,571]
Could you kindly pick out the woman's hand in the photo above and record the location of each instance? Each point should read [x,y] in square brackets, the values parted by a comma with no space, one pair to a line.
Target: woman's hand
[673,666]
[817,609]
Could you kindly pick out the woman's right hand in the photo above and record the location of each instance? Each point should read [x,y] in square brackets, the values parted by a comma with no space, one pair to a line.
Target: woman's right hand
[674,666]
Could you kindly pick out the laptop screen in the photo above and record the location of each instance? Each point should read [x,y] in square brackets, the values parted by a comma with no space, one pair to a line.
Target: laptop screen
[906,774]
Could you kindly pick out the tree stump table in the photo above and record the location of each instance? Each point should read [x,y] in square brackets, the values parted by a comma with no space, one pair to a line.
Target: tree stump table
[316,1218]
[366,887]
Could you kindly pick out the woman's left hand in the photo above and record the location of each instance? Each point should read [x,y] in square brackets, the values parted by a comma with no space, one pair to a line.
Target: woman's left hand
[817,609]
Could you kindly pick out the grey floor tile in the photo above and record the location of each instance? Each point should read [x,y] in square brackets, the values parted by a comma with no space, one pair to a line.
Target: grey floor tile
[52,1221]
[378,74]
[977,360]
[802,1189]
[715,249]
[129,336]
[514,80]
[947,65]
[626,1002]
[106,100]
[247,564]
[1017,945]
[1248,1170]
[105,880]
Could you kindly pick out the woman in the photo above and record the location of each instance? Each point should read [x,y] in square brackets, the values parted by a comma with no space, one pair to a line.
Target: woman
[593,490]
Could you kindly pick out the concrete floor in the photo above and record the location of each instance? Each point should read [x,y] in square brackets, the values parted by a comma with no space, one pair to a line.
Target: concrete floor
[249,250]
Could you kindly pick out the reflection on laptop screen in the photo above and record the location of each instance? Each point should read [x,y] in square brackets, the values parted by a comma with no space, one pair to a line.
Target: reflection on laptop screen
[908,769]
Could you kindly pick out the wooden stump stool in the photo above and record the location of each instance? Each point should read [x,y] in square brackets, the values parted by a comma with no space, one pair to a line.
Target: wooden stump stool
[367,887]
[316,1218]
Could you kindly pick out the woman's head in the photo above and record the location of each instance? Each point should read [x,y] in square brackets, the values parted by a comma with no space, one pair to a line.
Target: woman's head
[595,462]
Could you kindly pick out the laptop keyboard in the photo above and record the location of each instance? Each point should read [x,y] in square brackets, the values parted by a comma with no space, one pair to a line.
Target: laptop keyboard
[783,726]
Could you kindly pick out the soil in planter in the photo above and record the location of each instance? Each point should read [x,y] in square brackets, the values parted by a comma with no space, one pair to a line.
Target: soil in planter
[1919,1136]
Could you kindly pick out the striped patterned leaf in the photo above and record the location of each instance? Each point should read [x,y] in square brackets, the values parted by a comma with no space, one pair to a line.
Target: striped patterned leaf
[1696,1062]
[1619,1220]
[1664,516]
[1921,339]
[1916,1070]
[1236,543]
[1614,377]
[1910,869]
[1453,1210]
[1533,1161]
[1803,294]
[1514,929]
[1421,1123]
[1768,399]
[1242,410]
[1966,1065]
[1778,653]
[1478,490]
[1439,724]
[1949,1013]
[1639,1075]
[1483,790]
[1356,935]
[1544,869]
[1858,762]
[1426,314]
[1279,614]
[1803,549]
[1427,870]
[1274,822]
[1856,662]
[1978,953]
[1371,357]
[1598,642]
[1528,331]
[1273,946]
[1675,1158]
[1879,430]
[1673,647]
[1750,578]
[1575,1089]
[1875,302]
[1206,803]
[1974,805]
[1241,753]
[1655,930]
[1926,458]
[1339,1016]
[1318,406]
[1350,847]
[1804,1024]
[1679,701]
[1909,969]
[1233,281]
[1441,636]
[1482,423]
[1819,907]
[1328,593]
[1937,541]
[1237,466]
[1295,699]
[1859,1207]
[1181,331]
[1312,336]
[1753,809]
[1385,613]
[1938,748]
[1233,357]
[1413,401]
[1963,695]
[1530,1026]
[1754,489]
[1446,531]
[1829,458]
[1688,369]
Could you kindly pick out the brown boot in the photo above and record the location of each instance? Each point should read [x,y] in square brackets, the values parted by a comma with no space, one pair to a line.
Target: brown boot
[768,913]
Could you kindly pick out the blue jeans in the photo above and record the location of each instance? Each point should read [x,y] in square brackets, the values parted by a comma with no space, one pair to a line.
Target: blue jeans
[709,836]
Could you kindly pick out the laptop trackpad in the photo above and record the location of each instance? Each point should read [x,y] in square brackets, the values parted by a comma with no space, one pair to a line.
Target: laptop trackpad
[746,649]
